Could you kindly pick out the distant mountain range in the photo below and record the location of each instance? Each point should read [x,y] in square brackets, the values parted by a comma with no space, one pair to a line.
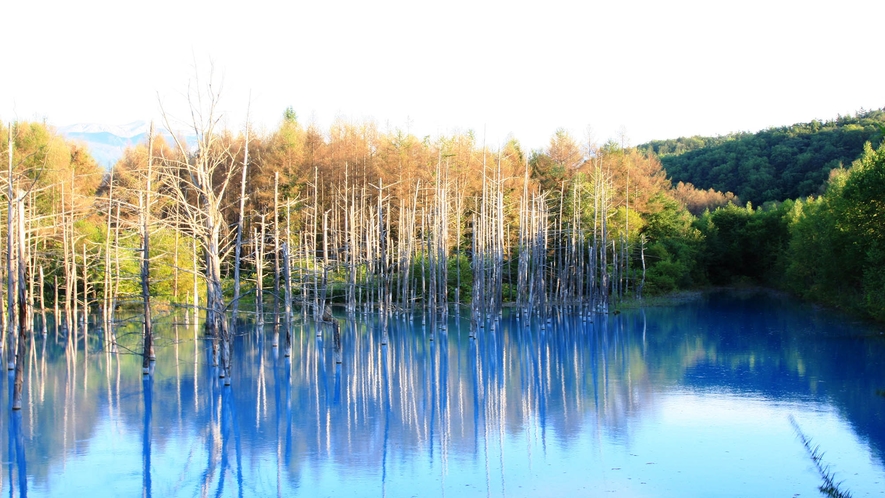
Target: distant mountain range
[107,142]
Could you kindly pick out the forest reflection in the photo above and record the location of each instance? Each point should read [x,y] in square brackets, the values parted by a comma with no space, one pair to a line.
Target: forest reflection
[430,397]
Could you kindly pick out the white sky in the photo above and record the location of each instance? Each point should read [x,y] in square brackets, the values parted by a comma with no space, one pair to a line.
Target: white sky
[655,69]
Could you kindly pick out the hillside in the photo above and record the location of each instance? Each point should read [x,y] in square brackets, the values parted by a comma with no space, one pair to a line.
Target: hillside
[789,162]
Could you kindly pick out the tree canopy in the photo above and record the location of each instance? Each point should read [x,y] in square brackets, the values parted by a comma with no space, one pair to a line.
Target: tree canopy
[775,164]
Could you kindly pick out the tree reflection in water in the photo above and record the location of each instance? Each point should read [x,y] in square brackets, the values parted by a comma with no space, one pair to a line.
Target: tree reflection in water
[517,410]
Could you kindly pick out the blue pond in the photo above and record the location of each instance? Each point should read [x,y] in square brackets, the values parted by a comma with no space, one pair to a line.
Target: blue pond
[698,399]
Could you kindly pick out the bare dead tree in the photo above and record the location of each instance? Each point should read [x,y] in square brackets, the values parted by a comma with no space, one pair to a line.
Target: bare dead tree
[23,323]
[10,278]
[198,181]
[242,210]
[145,201]
[107,308]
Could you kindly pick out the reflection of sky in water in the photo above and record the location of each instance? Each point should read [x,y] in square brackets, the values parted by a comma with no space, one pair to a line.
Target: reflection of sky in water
[686,401]
[693,445]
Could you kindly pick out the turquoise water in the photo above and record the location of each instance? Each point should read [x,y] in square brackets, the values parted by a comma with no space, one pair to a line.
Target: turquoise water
[690,400]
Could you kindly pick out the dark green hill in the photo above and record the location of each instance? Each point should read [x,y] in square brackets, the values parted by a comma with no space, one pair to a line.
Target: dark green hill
[774,164]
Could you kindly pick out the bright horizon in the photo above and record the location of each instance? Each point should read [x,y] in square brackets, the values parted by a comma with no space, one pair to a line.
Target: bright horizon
[652,70]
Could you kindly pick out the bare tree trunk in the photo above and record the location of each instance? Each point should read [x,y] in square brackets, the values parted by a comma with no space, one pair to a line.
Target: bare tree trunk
[476,263]
[216,324]
[642,256]
[106,305]
[385,277]
[32,249]
[56,315]
[85,267]
[276,254]
[148,351]
[287,309]
[353,256]
[4,347]
[459,210]
[522,265]
[72,279]
[196,309]
[42,302]
[627,236]
[117,279]
[313,244]
[239,244]
[324,296]
[198,182]
[24,328]
[499,242]
[290,297]
[303,275]
[11,336]
[175,267]
[259,236]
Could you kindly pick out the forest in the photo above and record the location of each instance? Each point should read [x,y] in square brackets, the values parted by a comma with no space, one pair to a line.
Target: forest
[788,162]
[818,231]
[828,248]
[246,225]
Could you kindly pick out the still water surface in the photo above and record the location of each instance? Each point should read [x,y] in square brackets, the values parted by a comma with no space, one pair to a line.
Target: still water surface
[690,400]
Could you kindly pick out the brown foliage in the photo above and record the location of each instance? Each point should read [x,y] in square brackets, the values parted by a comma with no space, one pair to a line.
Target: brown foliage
[697,201]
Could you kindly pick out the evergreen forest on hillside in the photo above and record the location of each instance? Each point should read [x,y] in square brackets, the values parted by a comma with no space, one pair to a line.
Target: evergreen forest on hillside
[283,222]
[789,162]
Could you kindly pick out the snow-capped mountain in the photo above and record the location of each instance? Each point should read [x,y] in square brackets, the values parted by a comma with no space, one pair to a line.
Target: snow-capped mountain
[107,142]
[129,130]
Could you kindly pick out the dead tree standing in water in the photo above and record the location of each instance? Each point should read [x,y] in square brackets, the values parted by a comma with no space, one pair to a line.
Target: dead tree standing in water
[239,244]
[199,182]
[9,334]
[287,303]
[145,201]
[24,323]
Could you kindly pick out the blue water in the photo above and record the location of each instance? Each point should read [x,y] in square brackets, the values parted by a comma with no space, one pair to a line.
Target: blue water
[689,400]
